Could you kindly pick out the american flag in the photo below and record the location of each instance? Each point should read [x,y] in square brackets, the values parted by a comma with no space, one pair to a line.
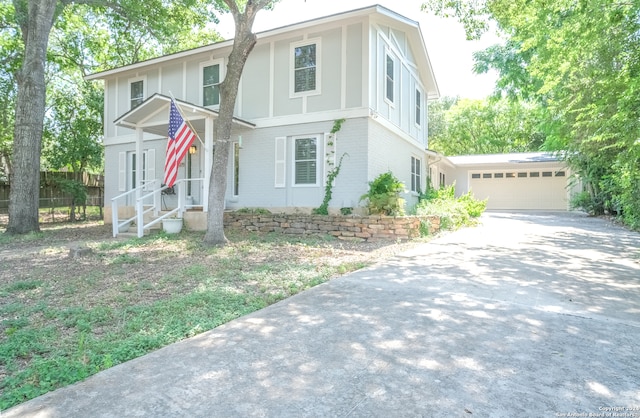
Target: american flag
[180,139]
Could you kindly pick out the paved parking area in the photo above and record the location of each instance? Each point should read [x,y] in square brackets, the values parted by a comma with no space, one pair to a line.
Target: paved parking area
[527,315]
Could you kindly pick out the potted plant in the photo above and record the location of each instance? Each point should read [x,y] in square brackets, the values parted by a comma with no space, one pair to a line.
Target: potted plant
[172,225]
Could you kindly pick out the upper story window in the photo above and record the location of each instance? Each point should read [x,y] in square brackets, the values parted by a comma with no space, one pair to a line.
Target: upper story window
[136,92]
[416,174]
[210,85]
[418,107]
[389,77]
[305,160]
[306,68]
[212,74]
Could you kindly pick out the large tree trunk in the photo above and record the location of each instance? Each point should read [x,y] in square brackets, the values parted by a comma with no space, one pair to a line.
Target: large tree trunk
[36,19]
[243,43]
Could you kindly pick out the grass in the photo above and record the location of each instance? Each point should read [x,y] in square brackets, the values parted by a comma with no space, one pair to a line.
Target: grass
[64,319]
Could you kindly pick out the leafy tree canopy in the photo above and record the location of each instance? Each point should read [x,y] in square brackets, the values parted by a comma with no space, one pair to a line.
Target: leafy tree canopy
[580,61]
[485,127]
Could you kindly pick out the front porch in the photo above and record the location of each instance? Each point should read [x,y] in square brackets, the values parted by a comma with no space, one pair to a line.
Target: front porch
[148,201]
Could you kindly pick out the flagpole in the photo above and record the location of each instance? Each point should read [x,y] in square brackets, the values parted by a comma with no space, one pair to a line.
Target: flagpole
[185,119]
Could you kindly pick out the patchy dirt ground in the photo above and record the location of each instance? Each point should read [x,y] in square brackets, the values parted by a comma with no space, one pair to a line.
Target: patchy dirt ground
[142,269]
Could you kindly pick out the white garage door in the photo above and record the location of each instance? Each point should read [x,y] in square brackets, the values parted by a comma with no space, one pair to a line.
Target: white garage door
[543,189]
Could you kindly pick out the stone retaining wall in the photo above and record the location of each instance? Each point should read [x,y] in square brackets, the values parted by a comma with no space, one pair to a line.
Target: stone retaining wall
[352,228]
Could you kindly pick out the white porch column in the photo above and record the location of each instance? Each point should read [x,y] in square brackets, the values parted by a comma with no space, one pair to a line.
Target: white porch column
[139,159]
[208,161]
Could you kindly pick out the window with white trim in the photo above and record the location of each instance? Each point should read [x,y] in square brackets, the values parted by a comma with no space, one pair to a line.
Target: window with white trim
[211,79]
[389,77]
[305,69]
[416,175]
[305,156]
[418,107]
[136,92]
[236,169]
[148,168]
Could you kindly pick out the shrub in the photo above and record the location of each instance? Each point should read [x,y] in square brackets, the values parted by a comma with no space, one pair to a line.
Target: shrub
[346,211]
[384,195]
[253,211]
[454,213]
[593,205]
[474,207]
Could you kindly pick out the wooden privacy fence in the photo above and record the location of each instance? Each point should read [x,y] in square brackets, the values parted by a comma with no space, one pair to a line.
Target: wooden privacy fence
[51,196]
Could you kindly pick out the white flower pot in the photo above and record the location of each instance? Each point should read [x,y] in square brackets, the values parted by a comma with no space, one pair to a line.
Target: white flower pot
[124,228]
[172,225]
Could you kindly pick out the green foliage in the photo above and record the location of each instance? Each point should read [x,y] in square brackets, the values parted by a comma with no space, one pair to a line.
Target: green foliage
[383,196]
[75,188]
[472,14]
[593,205]
[454,213]
[78,192]
[23,285]
[346,211]
[73,130]
[337,125]
[474,207]
[11,49]
[86,36]
[437,111]
[323,209]
[253,211]
[580,62]
[487,127]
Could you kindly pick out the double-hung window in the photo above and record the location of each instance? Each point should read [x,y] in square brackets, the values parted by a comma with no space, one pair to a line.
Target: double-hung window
[210,85]
[305,160]
[389,77]
[136,92]
[305,70]
[211,75]
[416,174]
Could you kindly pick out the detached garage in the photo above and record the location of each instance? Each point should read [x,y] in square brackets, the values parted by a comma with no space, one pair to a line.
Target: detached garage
[526,181]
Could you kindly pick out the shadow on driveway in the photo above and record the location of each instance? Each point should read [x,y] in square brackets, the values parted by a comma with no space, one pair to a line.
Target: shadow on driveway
[527,315]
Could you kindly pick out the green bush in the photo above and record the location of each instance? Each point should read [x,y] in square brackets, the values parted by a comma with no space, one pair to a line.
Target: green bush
[474,207]
[253,211]
[384,195]
[593,205]
[454,213]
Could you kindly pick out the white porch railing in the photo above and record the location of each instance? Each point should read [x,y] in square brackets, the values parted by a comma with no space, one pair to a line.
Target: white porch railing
[151,203]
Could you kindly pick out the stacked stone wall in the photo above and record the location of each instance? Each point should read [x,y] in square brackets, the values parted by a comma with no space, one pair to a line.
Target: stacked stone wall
[352,228]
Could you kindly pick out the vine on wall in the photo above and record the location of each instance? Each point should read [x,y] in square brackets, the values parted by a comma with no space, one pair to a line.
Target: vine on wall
[323,209]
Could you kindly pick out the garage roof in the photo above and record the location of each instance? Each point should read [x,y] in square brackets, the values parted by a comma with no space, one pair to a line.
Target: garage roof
[523,157]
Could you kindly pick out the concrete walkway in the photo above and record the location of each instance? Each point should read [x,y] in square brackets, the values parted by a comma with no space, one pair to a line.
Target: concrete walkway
[529,315]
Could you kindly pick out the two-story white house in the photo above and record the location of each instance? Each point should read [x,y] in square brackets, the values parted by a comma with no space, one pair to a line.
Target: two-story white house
[368,66]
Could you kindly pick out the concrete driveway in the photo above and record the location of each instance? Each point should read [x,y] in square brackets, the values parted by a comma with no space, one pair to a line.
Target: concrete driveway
[528,315]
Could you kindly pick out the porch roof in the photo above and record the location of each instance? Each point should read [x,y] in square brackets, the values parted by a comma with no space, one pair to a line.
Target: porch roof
[152,116]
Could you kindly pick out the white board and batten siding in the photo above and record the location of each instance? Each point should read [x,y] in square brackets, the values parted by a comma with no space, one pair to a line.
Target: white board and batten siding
[351,65]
